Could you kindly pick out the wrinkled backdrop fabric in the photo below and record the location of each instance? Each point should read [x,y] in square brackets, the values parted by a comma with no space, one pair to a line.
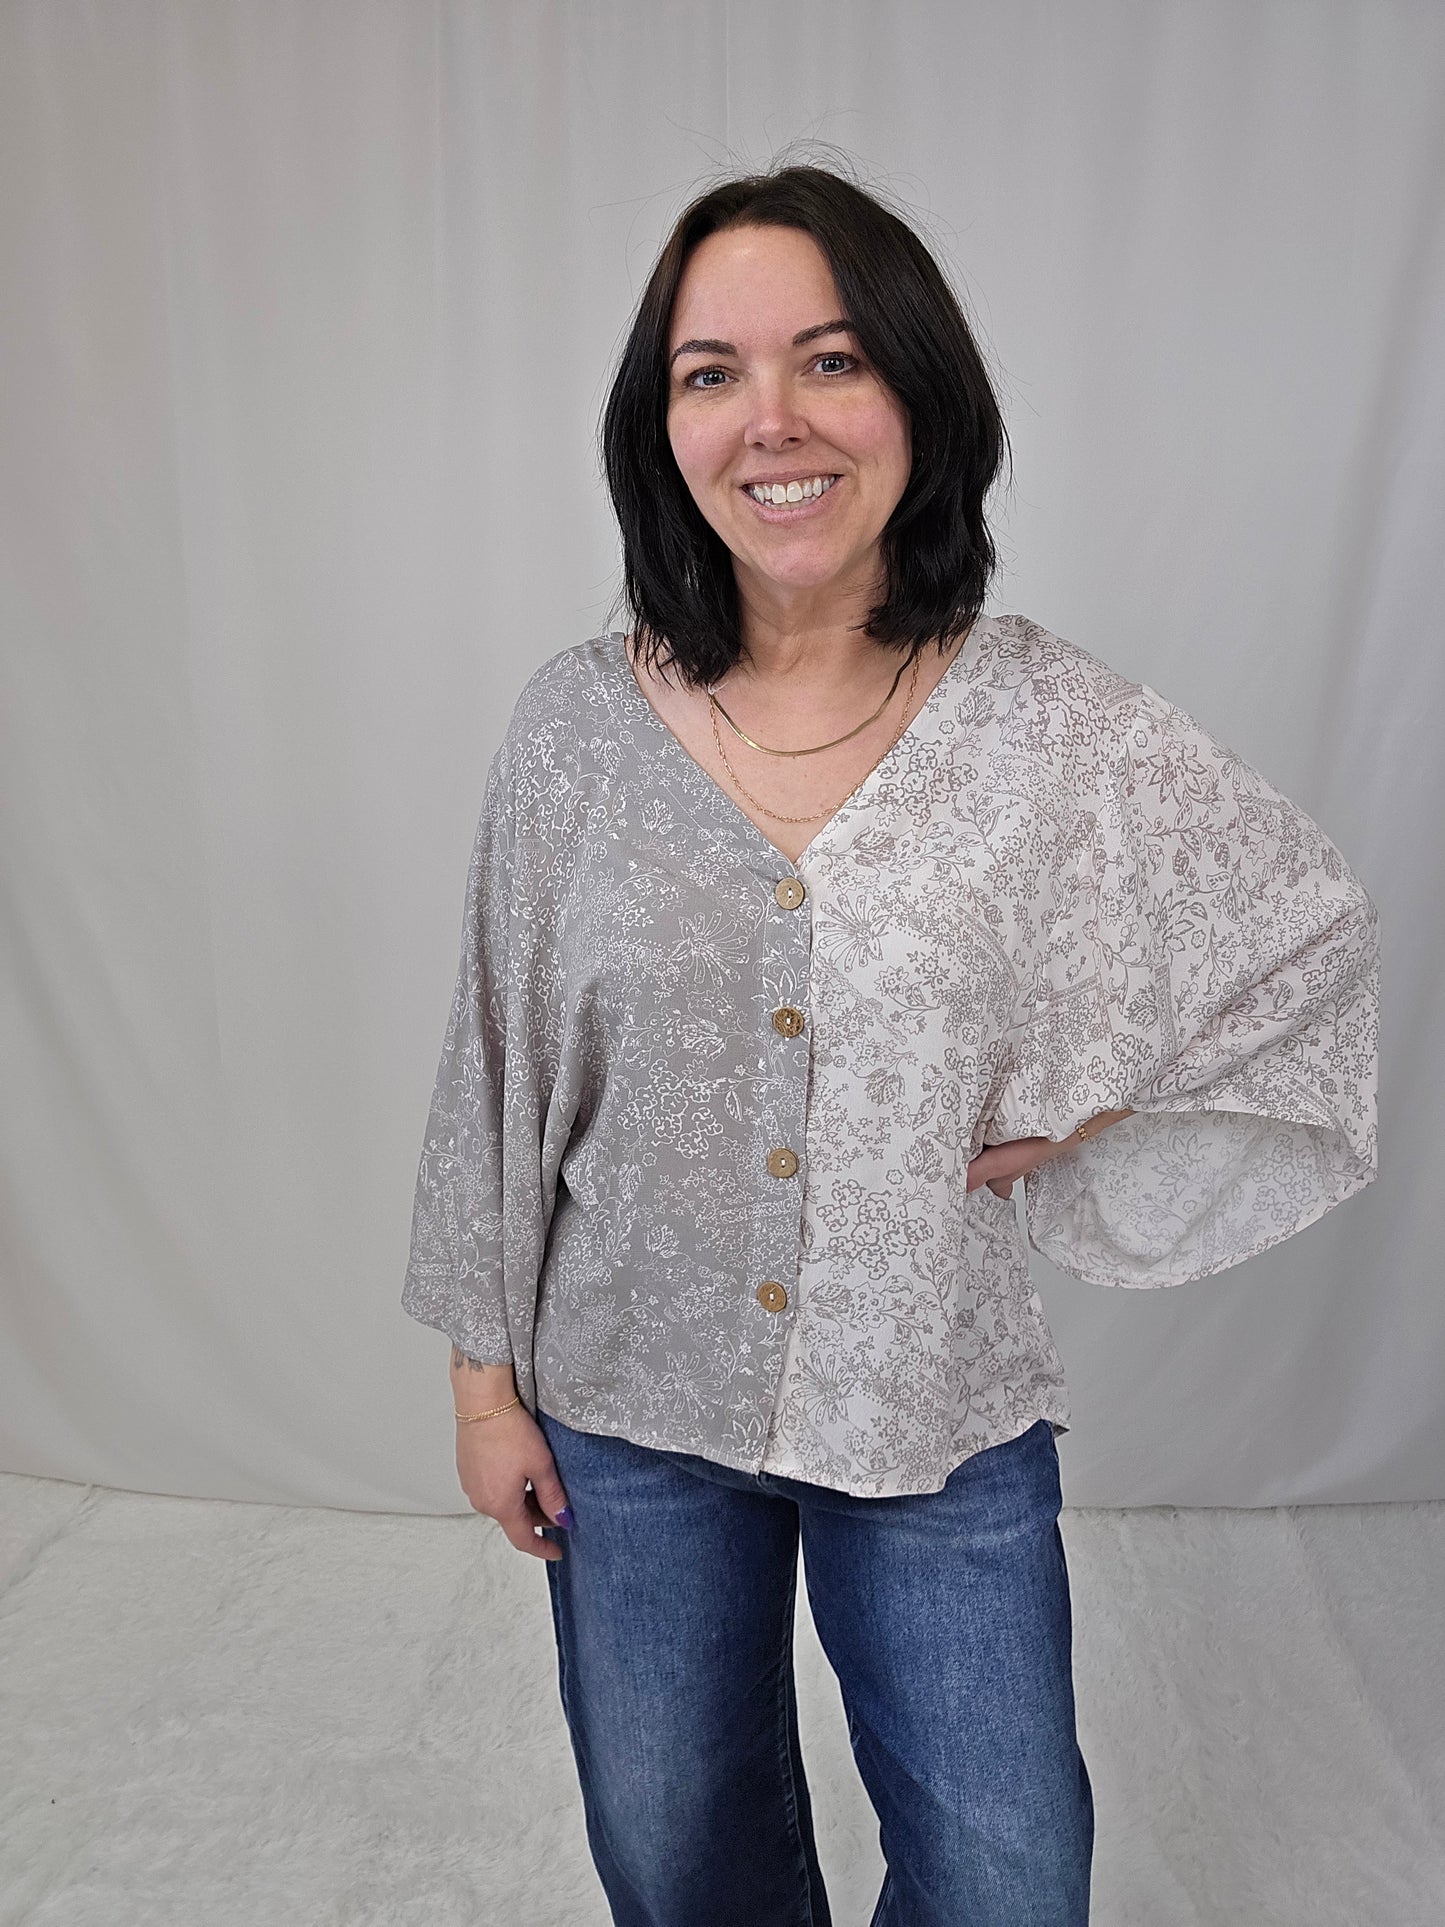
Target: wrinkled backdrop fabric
[308,317]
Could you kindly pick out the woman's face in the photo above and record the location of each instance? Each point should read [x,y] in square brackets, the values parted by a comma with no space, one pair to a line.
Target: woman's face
[749,402]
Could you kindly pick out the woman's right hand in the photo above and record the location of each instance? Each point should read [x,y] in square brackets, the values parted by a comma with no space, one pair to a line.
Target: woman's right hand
[497,1456]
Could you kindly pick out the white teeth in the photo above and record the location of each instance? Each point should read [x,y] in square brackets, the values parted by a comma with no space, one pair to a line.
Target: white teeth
[781,493]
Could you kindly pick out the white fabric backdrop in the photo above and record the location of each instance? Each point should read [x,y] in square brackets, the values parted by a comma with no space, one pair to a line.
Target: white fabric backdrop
[308,313]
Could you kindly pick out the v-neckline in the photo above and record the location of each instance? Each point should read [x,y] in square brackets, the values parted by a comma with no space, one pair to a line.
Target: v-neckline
[709,795]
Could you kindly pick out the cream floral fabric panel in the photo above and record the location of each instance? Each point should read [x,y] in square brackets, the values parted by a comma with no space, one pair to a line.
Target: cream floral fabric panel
[1214,964]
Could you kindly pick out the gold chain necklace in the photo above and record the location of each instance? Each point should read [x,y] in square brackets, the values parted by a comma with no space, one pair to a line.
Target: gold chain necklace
[714,706]
[813,750]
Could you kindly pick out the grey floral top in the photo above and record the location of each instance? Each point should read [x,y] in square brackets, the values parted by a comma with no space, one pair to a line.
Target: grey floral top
[695,1158]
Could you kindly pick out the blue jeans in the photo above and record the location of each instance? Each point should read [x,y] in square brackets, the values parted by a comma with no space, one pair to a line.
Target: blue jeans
[946,1618]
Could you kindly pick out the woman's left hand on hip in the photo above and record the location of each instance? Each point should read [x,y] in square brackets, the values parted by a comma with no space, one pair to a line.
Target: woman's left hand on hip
[999,1166]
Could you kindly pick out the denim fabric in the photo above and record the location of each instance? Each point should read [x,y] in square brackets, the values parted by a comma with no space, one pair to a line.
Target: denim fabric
[946,1618]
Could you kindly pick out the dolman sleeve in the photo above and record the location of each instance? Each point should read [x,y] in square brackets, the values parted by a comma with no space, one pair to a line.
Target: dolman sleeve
[1212,963]
[487,1177]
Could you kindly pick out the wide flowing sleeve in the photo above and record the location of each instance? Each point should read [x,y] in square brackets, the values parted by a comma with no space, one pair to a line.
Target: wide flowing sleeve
[486,1180]
[1211,962]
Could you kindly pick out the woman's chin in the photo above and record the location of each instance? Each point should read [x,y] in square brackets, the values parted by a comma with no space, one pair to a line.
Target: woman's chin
[803,570]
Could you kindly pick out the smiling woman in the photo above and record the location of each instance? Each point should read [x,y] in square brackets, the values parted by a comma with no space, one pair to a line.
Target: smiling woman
[795,456]
[774,981]
[795,328]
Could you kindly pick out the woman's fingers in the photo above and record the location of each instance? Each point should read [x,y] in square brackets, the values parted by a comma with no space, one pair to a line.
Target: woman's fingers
[1000,1166]
[494,1472]
[520,1525]
[537,1516]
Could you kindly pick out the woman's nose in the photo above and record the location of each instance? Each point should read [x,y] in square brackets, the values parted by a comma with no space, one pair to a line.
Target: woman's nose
[775,422]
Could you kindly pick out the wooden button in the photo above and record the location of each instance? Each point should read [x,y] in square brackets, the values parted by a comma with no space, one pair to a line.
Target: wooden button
[771,1295]
[782,1162]
[787,1020]
[788,892]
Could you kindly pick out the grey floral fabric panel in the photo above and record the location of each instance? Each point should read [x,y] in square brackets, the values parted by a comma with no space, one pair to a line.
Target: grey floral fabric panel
[696,1152]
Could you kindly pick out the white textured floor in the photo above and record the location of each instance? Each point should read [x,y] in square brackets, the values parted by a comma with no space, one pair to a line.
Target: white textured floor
[254,1716]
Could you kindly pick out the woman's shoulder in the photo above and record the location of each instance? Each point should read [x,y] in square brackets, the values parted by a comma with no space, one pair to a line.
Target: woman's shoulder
[1115,738]
[561,681]
[1061,701]
[561,698]
[1055,669]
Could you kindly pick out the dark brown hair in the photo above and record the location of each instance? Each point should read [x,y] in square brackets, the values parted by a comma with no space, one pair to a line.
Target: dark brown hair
[937,550]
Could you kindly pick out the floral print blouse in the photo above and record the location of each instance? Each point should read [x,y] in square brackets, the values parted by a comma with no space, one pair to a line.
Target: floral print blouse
[696,1152]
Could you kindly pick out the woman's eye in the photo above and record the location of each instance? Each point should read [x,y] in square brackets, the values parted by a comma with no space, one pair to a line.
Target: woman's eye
[698,379]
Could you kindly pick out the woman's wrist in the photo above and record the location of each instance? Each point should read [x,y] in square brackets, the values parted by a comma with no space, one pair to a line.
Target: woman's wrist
[1092,1126]
[478,1384]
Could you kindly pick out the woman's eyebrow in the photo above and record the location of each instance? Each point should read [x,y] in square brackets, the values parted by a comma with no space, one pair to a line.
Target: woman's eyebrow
[706,346]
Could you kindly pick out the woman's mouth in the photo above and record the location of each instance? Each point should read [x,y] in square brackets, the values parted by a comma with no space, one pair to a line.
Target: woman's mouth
[790,501]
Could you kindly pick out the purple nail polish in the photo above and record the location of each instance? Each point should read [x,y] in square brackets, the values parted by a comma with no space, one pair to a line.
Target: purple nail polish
[564,1518]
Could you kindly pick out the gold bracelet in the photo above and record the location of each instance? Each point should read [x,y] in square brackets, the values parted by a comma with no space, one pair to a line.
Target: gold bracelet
[1079,1131]
[467,1417]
